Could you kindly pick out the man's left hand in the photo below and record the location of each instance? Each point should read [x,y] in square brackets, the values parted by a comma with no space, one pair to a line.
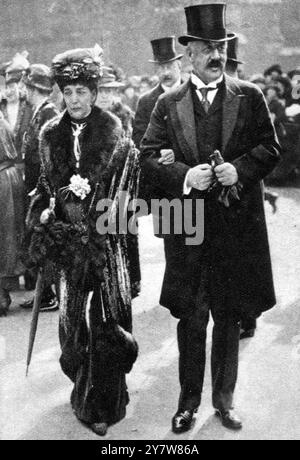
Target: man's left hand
[226,174]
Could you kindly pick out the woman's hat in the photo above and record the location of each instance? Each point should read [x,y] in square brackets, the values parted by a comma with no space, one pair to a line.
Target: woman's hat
[17,68]
[109,79]
[206,22]
[164,50]
[40,77]
[232,51]
[78,65]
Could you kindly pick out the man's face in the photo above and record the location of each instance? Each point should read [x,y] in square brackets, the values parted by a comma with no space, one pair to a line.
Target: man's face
[169,73]
[79,100]
[12,92]
[208,59]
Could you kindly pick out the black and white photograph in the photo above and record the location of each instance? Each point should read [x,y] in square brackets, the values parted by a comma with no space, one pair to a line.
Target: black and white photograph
[149,222]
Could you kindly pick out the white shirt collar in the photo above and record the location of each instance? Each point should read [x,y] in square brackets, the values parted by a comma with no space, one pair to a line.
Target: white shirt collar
[199,83]
[167,89]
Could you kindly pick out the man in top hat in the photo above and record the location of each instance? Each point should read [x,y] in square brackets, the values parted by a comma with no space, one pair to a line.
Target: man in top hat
[233,63]
[39,84]
[230,271]
[14,106]
[168,69]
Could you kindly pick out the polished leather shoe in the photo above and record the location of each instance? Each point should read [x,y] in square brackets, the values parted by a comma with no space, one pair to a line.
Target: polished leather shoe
[182,421]
[247,334]
[229,419]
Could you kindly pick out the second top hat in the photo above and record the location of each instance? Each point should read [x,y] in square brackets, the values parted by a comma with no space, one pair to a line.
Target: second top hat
[206,22]
[232,51]
[164,50]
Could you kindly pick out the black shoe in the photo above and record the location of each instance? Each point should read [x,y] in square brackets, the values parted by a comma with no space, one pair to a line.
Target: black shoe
[272,199]
[46,305]
[5,302]
[28,305]
[229,420]
[49,305]
[247,334]
[182,421]
[100,428]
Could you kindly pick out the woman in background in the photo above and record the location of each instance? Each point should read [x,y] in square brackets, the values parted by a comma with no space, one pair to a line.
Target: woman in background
[11,219]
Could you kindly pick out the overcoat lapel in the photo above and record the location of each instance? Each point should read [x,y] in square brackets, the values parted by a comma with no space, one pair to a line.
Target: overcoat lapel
[184,124]
[231,106]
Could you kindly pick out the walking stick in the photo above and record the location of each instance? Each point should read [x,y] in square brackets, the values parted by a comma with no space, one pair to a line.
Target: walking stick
[35,316]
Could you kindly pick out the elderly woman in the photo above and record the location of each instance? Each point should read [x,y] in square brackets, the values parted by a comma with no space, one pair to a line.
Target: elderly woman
[86,159]
[11,220]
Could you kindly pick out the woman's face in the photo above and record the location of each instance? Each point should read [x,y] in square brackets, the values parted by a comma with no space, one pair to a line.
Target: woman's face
[106,98]
[79,100]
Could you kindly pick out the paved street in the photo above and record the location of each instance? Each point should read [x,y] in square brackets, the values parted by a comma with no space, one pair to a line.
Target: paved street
[268,393]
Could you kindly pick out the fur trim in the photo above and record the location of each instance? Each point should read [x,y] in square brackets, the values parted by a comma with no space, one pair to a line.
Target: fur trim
[97,145]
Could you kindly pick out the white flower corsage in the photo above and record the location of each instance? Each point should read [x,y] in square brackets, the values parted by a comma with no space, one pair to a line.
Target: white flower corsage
[79,186]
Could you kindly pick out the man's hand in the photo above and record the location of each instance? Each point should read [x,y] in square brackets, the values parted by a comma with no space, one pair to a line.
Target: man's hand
[200,177]
[226,174]
[167,157]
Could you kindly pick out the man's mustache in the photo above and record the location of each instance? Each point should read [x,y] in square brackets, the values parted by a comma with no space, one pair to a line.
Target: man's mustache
[215,63]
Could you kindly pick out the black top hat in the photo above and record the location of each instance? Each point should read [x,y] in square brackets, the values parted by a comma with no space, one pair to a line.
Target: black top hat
[164,50]
[206,22]
[232,51]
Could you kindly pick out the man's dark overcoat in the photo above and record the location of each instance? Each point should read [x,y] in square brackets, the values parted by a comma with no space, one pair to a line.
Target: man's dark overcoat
[235,249]
[144,110]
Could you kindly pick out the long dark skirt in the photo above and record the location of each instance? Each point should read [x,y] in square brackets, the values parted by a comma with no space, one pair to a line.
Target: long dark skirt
[11,227]
[100,391]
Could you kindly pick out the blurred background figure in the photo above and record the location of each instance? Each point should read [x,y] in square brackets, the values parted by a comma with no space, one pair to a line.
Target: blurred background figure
[14,105]
[110,99]
[12,220]
[168,70]
[130,96]
[145,85]
[233,64]
[39,85]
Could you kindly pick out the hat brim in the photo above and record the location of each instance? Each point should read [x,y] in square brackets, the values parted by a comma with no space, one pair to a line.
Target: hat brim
[235,60]
[180,56]
[111,85]
[186,39]
[37,86]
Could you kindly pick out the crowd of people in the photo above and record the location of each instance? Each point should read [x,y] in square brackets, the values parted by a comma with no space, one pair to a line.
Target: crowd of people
[79,132]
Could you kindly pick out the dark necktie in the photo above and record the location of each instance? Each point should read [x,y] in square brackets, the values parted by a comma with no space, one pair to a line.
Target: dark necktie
[205,102]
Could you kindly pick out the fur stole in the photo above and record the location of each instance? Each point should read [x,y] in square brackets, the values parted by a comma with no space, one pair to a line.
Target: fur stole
[98,142]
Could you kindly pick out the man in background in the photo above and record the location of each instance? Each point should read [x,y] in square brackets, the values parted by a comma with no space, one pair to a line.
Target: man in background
[168,69]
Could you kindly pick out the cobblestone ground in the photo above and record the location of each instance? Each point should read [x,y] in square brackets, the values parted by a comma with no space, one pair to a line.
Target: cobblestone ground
[268,393]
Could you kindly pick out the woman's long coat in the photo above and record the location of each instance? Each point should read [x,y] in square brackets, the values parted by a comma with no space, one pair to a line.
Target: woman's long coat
[97,278]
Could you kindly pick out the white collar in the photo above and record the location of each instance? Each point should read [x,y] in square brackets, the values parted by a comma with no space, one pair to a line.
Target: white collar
[167,89]
[199,83]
